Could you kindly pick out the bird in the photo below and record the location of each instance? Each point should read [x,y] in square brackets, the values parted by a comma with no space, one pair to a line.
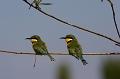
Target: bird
[74,48]
[36,2]
[39,46]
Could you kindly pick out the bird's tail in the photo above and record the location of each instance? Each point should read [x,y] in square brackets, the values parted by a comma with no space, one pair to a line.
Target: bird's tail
[45,4]
[51,58]
[83,61]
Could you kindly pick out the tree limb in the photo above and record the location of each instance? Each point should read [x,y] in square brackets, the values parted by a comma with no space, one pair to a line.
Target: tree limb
[73,24]
[62,53]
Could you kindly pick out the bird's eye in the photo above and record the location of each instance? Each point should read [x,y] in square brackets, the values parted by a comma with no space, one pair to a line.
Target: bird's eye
[70,37]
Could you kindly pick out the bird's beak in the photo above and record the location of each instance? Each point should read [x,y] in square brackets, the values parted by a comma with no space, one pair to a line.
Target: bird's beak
[27,38]
[62,38]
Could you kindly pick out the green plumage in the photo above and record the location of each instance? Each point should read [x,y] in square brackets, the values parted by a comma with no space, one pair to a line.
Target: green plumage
[74,48]
[40,47]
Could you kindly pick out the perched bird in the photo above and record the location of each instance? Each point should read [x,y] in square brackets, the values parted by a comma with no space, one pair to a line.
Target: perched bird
[39,46]
[36,2]
[74,48]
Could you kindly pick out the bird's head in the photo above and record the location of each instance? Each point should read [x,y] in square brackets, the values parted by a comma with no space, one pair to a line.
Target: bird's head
[68,38]
[34,38]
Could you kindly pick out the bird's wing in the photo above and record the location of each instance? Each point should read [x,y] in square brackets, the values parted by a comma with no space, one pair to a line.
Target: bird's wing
[78,51]
[38,50]
[41,49]
[72,52]
[44,47]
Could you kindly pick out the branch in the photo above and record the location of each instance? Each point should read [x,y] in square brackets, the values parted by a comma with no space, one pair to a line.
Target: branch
[114,18]
[73,24]
[62,53]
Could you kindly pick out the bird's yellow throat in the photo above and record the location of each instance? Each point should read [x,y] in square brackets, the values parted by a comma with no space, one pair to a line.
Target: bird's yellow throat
[33,41]
[68,40]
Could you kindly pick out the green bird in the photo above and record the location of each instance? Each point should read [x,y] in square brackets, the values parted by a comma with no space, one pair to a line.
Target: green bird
[74,48]
[39,46]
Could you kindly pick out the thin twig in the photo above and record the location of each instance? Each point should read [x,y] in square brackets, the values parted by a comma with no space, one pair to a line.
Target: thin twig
[117,44]
[73,24]
[114,18]
[62,53]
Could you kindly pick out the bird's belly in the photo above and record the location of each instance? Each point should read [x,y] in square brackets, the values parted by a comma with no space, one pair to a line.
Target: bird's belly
[37,53]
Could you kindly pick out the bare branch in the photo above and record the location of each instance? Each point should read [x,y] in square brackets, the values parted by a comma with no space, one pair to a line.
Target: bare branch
[114,18]
[62,53]
[117,44]
[73,24]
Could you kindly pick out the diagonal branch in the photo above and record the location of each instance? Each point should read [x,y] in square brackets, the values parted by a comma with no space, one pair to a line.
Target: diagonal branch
[62,53]
[73,24]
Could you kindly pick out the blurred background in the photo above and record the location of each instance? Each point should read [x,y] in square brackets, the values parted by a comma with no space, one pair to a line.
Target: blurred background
[110,69]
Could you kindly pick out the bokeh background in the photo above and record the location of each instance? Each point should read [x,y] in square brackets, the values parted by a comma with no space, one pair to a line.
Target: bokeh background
[18,22]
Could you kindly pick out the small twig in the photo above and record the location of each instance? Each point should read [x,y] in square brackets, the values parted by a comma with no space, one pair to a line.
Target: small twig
[34,62]
[110,2]
[73,24]
[62,53]
[117,44]
[114,17]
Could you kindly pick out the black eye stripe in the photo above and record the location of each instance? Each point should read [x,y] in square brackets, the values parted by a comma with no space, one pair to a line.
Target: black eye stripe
[33,38]
[70,37]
